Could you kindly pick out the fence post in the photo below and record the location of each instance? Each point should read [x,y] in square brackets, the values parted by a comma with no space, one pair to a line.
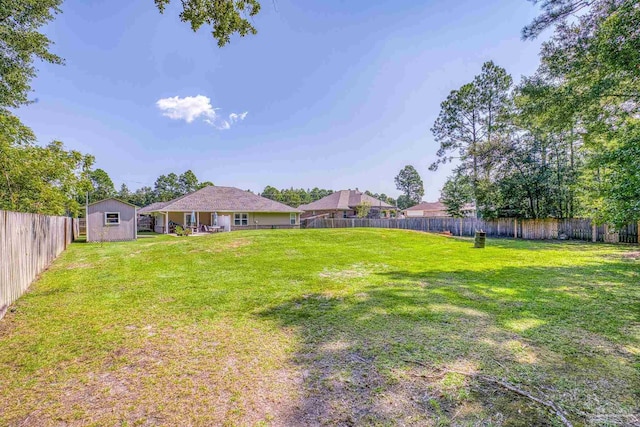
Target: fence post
[515,228]
[66,229]
[638,230]
[594,232]
[460,227]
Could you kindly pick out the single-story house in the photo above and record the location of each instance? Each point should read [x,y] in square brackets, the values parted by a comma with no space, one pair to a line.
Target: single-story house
[111,220]
[343,204]
[227,208]
[434,209]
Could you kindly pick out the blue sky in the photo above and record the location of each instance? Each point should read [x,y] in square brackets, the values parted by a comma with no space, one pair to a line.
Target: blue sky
[338,94]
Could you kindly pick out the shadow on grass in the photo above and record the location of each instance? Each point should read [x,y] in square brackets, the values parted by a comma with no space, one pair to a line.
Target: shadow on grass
[538,245]
[559,332]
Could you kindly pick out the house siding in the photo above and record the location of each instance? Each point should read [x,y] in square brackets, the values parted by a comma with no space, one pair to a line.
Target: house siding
[99,232]
[265,220]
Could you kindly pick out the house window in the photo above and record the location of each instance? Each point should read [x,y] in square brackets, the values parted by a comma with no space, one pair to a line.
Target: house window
[189,219]
[344,214]
[111,218]
[240,219]
[292,219]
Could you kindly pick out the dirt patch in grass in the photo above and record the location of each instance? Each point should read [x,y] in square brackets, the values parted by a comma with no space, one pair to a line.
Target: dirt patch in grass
[78,265]
[221,246]
[355,271]
[631,255]
[218,375]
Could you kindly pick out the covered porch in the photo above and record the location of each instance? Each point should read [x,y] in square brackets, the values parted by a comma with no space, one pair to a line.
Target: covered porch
[195,221]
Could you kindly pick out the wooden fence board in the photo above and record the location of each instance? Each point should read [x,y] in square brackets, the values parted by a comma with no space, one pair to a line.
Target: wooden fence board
[529,229]
[28,244]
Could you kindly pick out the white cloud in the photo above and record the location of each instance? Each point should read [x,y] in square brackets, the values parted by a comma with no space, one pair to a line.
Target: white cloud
[233,117]
[191,108]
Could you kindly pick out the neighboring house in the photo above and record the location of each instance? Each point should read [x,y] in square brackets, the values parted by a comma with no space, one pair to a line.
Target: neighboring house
[434,209]
[343,204]
[111,220]
[226,207]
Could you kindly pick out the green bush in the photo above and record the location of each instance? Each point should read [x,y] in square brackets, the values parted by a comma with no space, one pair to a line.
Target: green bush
[179,230]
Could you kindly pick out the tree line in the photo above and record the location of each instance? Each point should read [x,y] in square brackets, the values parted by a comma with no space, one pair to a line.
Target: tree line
[562,143]
[166,187]
[51,179]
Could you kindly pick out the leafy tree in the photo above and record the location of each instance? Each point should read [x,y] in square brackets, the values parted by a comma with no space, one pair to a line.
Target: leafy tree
[38,179]
[101,186]
[124,193]
[205,184]
[226,17]
[271,193]
[592,61]
[405,202]
[21,45]
[611,178]
[409,182]
[363,209]
[187,182]
[294,196]
[456,194]
[143,196]
[469,122]
[167,187]
[290,197]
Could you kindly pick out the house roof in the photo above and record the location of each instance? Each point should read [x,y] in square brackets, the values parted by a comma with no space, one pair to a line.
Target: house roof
[113,198]
[343,200]
[221,199]
[436,207]
[153,207]
[428,206]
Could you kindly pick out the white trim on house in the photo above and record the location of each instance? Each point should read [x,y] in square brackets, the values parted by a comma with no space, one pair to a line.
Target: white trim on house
[189,223]
[106,218]
[243,217]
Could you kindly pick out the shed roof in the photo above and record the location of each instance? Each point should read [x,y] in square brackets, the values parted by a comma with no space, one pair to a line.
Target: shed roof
[113,198]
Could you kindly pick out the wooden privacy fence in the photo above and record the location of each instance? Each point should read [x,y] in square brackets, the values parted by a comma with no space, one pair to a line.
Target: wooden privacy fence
[28,244]
[531,229]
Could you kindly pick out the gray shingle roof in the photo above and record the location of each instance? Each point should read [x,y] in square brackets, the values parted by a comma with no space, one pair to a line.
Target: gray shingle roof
[153,207]
[437,207]
[113,198]
[343,200]
[223,199]
[428,206]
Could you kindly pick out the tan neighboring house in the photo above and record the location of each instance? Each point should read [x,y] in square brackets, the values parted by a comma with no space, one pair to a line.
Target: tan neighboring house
[228,208]
[343,203]
[434,209]
[111,220]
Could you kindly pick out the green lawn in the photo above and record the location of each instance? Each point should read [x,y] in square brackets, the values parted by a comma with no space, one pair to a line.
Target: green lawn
[324,327]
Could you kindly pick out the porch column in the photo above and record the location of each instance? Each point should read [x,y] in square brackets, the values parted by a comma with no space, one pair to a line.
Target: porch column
[198,221]
[166,223]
